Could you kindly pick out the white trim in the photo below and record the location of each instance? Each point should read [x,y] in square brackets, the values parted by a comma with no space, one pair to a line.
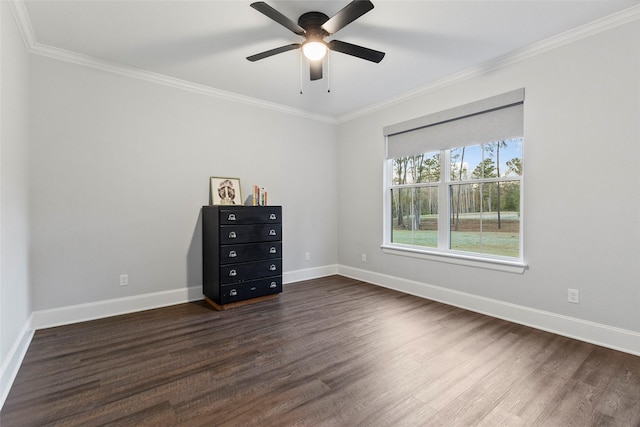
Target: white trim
[608,22]
[458,259]
[97,310]
[19,11]
[596,333]
[26,30]
[11,365]
[289,277]
[136,73]
[100,309]
[600,25]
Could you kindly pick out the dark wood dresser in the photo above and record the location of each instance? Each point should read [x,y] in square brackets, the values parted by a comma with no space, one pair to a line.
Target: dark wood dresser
[242,254]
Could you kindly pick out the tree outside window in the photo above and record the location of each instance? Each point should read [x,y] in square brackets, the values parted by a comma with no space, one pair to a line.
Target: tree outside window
[481,184]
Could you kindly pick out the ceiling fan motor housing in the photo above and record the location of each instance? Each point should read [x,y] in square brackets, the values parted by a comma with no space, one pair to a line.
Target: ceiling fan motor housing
[312,23]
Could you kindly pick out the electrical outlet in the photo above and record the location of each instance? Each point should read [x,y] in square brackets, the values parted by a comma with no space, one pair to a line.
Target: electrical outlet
[573,296]
[364,257]
[307,256]
[124,280]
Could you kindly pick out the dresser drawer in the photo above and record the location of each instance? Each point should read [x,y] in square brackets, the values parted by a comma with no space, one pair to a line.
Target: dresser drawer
[232,234]
[251,289]
[251,215]
[250,252]
[233,273]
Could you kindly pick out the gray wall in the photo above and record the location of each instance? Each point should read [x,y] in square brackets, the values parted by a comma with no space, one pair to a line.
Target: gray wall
[581,184]
[102,174]
[120,168]
[15,301]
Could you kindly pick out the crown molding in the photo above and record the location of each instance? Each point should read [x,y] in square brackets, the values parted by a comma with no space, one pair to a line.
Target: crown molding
[26,30]
[20,15]
[136,73]
[608,22]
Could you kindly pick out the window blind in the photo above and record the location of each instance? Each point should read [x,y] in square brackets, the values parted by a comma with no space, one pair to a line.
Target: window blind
[492,119]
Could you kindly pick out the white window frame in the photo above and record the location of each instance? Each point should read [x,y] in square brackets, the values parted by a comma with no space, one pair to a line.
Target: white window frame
[443,253]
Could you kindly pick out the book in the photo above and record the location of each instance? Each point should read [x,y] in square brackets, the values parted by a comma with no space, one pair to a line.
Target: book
[260,196]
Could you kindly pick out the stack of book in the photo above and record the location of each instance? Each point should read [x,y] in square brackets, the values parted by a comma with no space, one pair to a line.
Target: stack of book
[259,196]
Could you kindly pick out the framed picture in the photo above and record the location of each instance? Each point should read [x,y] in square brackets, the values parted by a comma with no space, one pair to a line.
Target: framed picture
[225,191]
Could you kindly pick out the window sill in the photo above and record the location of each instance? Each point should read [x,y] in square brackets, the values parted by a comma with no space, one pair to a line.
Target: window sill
[458,259]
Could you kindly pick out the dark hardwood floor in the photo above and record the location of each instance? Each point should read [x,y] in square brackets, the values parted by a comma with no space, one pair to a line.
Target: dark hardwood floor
[328,352]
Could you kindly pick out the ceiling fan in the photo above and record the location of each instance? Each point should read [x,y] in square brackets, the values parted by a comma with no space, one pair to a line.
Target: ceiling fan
[314,27]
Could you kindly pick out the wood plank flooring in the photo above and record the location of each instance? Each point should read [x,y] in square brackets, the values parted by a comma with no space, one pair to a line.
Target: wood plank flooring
[328,352]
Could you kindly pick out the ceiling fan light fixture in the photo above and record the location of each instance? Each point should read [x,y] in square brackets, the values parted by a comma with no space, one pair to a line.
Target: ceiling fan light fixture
[314,50]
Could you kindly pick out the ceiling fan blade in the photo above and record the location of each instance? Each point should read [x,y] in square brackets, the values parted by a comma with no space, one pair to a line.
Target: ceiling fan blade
[355,50]
[270,12]
[315,70]
[346,15]
[271,52]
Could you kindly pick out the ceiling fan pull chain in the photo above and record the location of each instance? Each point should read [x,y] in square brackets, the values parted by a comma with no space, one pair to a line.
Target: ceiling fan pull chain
[328,72]
[301,92]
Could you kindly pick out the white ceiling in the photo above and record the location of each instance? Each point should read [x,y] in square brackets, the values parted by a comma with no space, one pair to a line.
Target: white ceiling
[206,43]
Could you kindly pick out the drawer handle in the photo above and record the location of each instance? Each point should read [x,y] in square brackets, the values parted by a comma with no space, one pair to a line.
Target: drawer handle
[253,288]
[273,250]
[232,235]
[273,285]
[272,267]
[232,254]
[231,217]
[233,273]
[272,232]
[273,216]
[233,292]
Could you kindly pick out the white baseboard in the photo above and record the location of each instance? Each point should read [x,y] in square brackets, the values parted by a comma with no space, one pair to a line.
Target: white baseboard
[11,364]
[595,333]
[97,310]
[309,273]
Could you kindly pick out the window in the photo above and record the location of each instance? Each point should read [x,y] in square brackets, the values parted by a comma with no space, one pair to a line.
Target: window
[454,182]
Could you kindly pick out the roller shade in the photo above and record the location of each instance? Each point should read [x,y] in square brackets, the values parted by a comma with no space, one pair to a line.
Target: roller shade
[493,119]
